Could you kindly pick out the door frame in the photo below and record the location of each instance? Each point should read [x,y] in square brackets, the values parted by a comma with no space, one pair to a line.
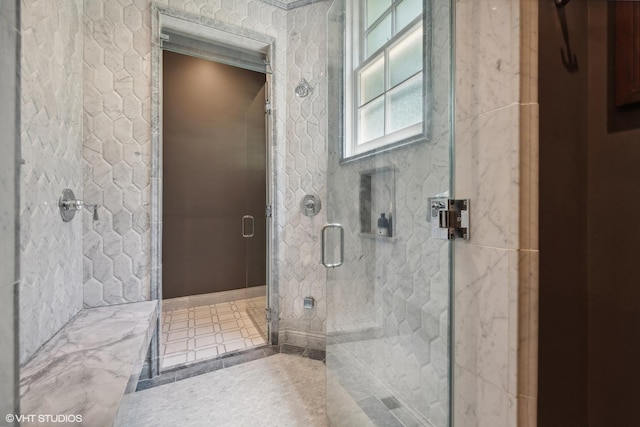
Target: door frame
[214,31]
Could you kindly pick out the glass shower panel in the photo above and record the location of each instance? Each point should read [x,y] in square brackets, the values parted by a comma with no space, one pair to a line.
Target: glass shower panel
[256,226]
[388,303]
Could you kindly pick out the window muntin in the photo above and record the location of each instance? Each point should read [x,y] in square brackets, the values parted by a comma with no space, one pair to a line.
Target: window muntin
[375,9]
[386,93]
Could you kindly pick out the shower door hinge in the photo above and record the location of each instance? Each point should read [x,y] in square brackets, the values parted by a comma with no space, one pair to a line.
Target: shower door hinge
[268,211]
[267,107]
[449,218]
[267,314]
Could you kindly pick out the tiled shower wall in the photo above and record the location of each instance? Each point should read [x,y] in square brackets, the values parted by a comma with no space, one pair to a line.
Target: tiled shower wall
[117,147]
[496,167]
[305,168]
[51,108]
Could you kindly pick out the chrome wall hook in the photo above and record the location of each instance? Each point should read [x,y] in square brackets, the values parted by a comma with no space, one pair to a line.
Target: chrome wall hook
[562,3]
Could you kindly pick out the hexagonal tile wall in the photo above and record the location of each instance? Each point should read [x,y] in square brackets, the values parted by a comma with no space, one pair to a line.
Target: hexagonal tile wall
[51,144]
[117,147]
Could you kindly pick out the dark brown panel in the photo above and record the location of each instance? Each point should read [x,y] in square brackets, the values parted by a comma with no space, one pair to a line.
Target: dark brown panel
[589,340]
[562,397]
[193,249]
[614,277]
[211,175]
[627,52]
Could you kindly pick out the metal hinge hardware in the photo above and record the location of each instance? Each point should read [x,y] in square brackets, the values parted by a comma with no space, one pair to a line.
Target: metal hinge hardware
[449,218]
[267,107]
[267,314]
[268,211]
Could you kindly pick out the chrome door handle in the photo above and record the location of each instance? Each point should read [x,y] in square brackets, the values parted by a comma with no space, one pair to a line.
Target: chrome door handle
[323,245]
[253,226]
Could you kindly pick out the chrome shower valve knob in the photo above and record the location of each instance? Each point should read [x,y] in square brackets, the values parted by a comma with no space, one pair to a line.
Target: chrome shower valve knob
[68,205]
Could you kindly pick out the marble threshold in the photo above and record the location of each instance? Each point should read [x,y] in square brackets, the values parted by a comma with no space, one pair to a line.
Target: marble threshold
[88,366]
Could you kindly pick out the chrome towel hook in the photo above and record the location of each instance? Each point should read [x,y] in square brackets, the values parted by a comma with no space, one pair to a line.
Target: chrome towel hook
[562,3]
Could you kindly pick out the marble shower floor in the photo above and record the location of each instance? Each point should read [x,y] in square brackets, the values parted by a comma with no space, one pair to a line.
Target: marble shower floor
[281,390]
[198,333]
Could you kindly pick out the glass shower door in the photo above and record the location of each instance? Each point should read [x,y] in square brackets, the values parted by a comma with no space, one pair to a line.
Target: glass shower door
[388,280]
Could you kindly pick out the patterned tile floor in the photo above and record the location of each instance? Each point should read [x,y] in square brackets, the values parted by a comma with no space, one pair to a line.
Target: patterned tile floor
[280,390]
[199,333]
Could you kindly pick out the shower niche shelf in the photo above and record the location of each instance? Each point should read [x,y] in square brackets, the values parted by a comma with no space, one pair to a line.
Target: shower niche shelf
[377,197]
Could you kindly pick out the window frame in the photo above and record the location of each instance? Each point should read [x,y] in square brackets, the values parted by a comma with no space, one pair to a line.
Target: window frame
[354,64]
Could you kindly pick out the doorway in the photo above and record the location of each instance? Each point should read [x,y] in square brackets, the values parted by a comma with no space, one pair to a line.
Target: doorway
[214,227]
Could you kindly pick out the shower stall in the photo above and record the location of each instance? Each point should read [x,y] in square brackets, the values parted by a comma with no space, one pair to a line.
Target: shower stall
[358,112]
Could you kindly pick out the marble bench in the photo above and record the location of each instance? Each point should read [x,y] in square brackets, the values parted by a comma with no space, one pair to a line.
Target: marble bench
[88,366]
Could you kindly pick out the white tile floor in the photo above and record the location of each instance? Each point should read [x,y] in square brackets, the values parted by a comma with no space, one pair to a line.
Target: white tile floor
[280,390]
[198,333]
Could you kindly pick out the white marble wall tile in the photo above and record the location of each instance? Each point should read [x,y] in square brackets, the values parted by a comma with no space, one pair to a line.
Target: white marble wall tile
[482,312]
[117,92]
[479,403]
[301,273]
[51,108]
[487,56]
[496,167]
[118,133]
[487,170]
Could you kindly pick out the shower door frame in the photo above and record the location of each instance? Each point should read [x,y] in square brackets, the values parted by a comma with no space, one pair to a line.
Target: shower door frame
[224,33]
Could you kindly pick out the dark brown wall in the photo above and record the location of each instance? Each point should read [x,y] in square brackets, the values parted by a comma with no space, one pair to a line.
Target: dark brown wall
[562,384]
[614,251]
[213,175]
[589,174]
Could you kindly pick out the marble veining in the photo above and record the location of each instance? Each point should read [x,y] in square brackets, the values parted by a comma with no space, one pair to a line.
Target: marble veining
[51,145]
[279,390]
[87,367]
[496,167]
[120,257]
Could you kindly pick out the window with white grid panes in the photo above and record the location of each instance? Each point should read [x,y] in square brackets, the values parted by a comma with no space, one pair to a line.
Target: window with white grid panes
[385,74]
